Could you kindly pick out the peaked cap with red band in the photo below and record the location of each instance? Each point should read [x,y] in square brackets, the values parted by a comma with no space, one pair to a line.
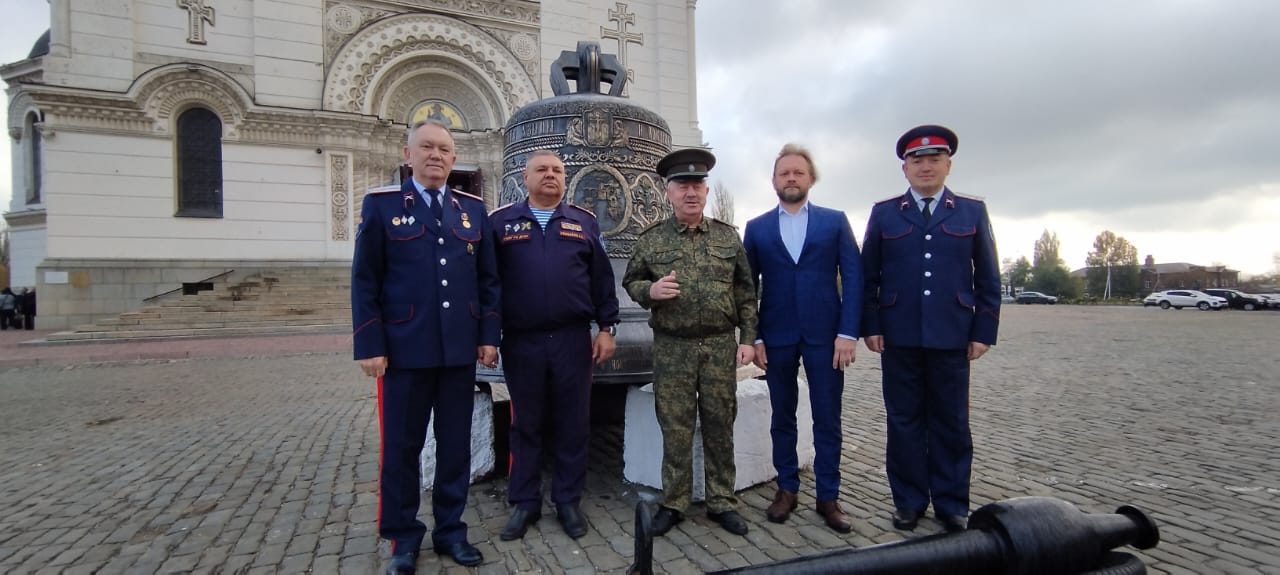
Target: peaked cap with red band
[926,141]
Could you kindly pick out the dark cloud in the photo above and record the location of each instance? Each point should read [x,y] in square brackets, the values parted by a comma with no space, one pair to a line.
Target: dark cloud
[1074,106]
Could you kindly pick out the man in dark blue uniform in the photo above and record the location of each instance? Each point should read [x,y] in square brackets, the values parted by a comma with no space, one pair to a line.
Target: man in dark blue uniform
[424,305]
[932,305]
[556,280]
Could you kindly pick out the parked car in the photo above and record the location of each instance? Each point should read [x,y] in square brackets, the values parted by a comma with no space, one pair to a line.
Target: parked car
[1006,298]
[1273,300]
[1027,297]
[1237,299]
[1180,298]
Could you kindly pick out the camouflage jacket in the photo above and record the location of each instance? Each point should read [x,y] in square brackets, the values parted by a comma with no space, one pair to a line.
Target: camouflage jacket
[716,291]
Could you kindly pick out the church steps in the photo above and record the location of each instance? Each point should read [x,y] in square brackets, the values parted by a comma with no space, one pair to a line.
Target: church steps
[84,336]
[304,300]
[156,319]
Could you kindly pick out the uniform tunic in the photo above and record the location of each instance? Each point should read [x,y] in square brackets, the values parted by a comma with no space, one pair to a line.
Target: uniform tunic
[930,289]
[424,295]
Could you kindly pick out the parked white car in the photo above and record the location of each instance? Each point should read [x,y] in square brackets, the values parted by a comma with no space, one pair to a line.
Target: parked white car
[1180,298]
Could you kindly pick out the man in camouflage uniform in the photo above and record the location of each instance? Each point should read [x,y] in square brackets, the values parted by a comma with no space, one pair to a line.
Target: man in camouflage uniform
[692,273]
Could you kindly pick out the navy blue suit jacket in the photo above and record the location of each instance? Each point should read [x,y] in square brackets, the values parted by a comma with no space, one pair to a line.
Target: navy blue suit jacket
[799,301]
[423,296]
[934,286]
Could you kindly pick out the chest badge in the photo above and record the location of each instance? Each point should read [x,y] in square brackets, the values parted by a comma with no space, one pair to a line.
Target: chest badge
[395,221]
[466,220]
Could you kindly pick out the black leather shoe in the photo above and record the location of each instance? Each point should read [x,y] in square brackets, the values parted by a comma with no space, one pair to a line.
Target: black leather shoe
[403,563]
[953,523]
[906,519]
[731,521]
[571,520]
[462,553]
[520,522]
[665,520]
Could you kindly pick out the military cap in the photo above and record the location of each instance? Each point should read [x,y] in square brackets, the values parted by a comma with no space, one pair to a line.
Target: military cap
[926,141]
[689,164]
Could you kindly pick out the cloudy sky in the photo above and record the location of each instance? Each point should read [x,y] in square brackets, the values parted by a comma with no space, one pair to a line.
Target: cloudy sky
[1155,119]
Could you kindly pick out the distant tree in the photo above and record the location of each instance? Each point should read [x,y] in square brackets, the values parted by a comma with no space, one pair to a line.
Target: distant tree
[1112,267]
[1275,260]
[1263,283]
[722,203]
[1017,272]
[1048,275]
[1057,281]
[1046,251]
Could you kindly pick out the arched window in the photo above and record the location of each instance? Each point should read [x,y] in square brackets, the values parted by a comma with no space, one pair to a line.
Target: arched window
[35,163]
[199,158]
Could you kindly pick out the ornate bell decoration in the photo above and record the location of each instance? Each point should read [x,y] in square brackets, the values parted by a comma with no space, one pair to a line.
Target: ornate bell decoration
[610,147]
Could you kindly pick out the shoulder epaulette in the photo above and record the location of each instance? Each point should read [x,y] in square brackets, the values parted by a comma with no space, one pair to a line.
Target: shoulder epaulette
[472,196]
[723,223]
[583,209]
[502,207]
[888,199]
[384,189]
[970,198]
[651,225]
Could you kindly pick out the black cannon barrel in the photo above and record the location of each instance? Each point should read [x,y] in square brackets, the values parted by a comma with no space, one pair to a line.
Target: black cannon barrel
[1022,536]
[976,551]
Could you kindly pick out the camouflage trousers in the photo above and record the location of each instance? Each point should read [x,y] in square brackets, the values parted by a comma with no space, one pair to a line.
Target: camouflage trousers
[696,378]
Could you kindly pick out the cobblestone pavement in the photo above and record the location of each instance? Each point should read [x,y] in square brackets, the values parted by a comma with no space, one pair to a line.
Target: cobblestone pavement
[269,464]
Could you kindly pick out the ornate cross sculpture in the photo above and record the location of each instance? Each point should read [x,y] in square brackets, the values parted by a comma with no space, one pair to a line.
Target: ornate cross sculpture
[623,18]
[197,15]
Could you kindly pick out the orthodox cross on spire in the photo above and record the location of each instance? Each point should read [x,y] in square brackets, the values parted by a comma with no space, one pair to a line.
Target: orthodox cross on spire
[623,19]
[197,15]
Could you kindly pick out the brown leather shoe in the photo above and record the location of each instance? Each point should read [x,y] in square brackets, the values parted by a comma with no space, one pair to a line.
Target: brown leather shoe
[784,502]
[834,516]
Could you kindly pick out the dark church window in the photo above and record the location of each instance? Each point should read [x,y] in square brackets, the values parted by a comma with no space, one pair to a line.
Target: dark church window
[199,164]
[35,163]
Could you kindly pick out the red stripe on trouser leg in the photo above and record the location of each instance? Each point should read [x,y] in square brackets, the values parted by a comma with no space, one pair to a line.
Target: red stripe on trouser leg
[381,435]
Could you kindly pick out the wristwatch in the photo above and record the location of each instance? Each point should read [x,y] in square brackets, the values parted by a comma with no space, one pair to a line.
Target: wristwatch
[610,329]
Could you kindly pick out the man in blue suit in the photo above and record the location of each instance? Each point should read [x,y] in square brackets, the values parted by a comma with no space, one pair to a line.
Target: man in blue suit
[424,305]
[805,261]
[932,306]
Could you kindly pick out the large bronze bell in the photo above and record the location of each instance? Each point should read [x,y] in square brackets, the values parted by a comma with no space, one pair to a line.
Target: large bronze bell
[610,147]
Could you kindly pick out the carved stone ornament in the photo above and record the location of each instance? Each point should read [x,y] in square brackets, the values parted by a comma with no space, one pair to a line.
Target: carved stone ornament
[343,19]
[340,197]
[373,53]
[197,15]
[510,11]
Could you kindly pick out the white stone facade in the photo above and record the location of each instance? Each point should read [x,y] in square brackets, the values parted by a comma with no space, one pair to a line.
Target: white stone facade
[313,99]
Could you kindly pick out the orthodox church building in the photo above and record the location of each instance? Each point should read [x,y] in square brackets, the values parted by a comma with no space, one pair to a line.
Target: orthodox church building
[157,143]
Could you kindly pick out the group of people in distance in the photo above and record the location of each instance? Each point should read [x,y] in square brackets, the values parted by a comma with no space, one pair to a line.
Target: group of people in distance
[439,285]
